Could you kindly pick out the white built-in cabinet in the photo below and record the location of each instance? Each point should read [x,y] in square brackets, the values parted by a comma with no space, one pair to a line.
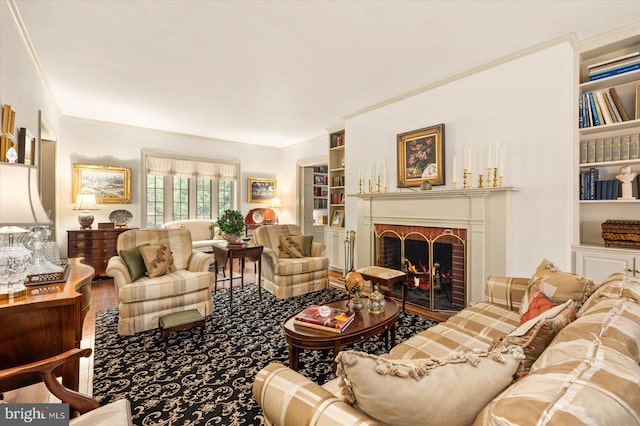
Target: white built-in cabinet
[590,255]
[334,241]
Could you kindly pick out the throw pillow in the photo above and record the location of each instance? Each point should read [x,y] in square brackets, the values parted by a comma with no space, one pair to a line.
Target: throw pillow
[448,391]
[291,246]
[537,333]
[538,305]
[157,259]
[215,232]
[557,286]
[306,245]
[134,261]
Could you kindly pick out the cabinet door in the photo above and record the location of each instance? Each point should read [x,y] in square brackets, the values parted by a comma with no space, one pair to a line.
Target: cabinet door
[598,265]
[318,233]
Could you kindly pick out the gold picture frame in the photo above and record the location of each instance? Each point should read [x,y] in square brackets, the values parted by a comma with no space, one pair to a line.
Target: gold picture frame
[337,220]
[421,157]
[8,120]
[110,184]
[261,190]
[638,101]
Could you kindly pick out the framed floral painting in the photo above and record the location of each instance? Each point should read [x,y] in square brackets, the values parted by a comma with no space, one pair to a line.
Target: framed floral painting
[421,157]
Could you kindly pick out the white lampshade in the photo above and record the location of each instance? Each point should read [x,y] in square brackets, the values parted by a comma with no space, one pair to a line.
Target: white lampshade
[275,203]
[20,203]
[86,202]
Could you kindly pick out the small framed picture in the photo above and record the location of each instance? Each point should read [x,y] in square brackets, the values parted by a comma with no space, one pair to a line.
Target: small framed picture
[421,157]
[26,147]
[338,218]
[261,190]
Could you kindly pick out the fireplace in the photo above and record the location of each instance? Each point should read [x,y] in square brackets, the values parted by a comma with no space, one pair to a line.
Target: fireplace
[474,222]
[434,259]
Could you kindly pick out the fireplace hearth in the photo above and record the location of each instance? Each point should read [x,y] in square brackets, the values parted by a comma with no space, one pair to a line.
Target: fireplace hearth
[434,259]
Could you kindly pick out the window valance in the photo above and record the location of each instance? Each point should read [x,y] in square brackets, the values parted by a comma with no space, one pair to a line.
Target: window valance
[162,166]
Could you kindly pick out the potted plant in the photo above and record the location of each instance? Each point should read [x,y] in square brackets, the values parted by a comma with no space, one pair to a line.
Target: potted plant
[231,224]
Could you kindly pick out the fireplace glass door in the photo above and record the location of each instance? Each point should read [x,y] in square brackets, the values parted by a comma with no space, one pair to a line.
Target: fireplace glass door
[433,259]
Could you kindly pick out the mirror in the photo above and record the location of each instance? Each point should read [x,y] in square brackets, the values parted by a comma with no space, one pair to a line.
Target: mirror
[46,162]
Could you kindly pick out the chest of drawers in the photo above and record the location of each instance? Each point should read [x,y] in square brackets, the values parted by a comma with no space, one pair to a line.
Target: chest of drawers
[97,246]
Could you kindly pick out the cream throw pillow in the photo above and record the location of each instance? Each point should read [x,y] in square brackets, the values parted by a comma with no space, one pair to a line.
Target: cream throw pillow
[447,392]
[291,246]
[157,259]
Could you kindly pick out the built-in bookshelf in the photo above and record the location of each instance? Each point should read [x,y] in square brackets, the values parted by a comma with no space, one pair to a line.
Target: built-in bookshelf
[320,189]
[336,179]
[609,137]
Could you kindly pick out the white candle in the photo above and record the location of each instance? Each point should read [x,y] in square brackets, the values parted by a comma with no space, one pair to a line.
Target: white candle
[383,179]
[489,156]
[466,157]
[501,158]
[480,164]
[497,160]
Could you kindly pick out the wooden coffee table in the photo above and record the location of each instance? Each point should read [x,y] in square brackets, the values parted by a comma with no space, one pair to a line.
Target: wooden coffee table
[365,325]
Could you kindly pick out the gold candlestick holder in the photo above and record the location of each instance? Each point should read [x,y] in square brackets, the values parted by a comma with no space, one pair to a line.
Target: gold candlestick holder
[370,188]
[360,185]
[495,177]
[500,183]
[467,179]
[480,181]
[378,184]
[454,185]
[489,178]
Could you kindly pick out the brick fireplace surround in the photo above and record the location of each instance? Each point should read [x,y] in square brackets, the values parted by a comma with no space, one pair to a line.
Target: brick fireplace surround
[484,215]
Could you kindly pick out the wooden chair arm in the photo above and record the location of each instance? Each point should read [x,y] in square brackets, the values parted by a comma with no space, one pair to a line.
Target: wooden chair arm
[45,369]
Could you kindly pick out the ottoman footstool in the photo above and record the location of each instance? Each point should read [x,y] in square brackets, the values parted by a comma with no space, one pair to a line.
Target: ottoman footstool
[179,321]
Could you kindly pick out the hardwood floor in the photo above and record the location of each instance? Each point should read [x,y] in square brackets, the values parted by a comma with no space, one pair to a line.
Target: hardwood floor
[103,296]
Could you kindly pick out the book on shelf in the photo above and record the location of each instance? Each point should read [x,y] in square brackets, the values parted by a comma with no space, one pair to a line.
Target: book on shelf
[616,71]
[613,109]
[619,104]
[593,109]
[614,61]
[607,148]
[603,111]
[624,147]
[599,150]
[337,321]
[634,146]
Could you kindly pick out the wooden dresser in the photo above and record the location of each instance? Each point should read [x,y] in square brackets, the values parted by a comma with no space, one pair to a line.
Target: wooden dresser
[97,246]
[45,322]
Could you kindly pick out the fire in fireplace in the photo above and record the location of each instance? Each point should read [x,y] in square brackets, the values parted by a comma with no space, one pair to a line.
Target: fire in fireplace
[433,258]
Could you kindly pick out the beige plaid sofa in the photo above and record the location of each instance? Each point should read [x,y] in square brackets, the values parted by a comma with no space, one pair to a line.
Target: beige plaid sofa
[141,303]
[203,232]
[288,277]
[588,375]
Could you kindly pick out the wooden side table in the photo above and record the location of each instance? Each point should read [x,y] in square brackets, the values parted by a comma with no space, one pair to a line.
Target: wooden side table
[225,255]
[386,278]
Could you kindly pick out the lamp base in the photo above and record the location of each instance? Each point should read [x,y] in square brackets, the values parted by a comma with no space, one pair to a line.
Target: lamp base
[85,220]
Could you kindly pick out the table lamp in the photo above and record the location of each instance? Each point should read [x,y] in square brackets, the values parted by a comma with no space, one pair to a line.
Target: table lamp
[85,202]
[20,208]
[275,204]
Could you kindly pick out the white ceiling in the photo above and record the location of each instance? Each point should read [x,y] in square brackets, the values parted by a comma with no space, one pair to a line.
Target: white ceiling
[278,72]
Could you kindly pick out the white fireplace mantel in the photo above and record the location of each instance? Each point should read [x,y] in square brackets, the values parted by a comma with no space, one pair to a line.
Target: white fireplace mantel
[484,212]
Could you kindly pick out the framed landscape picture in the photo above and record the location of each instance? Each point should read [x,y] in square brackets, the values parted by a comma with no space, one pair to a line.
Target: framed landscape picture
[421,157]
[110,184]
[261,190]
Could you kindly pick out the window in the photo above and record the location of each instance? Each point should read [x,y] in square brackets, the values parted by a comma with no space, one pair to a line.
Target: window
[180,198]
[155,201]
[224,196]
[203,198]
[180,188]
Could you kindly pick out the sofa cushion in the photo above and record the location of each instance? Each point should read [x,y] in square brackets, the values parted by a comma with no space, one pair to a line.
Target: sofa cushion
[536,334]
[135,262]
[599,387]
[173,284]
[475,327]
[617,286]
[291,246]
[538,305]
[286,267]
[306,245]
[428,388]
[157,259]
[557,286]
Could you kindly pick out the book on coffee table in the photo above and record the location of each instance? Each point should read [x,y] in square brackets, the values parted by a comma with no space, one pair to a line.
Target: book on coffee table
[336,321]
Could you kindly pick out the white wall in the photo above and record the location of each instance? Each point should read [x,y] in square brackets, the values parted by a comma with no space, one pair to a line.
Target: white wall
[526,105]
[91,142]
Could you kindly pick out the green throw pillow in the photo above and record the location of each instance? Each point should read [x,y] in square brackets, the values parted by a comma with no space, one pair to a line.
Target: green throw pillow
[134,261]
[306,245]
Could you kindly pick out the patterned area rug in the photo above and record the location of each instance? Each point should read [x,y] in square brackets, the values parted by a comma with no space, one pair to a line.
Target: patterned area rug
[208,382]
